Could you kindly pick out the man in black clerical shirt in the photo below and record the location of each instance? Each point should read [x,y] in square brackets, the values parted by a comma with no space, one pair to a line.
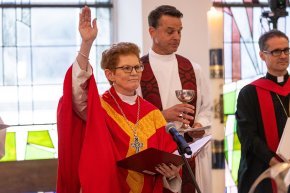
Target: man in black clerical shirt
[262,112]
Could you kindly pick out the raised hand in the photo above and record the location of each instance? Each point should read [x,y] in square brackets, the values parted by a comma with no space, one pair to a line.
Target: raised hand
[88,31]
[87,27]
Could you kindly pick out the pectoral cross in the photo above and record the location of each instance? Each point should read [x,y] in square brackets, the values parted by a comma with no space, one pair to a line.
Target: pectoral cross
[137,145]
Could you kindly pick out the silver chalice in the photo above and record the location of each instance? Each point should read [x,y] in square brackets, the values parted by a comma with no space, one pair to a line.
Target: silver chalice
[185,96]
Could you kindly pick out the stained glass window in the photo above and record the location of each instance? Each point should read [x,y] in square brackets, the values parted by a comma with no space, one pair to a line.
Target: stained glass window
[38,42]
[244,22]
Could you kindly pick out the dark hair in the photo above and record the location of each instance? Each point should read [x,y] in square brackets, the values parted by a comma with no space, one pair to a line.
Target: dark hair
[155,15]
[268,35]
[111,56]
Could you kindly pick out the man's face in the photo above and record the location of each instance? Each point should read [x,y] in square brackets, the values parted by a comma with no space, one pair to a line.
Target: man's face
[276,64]
[166,36]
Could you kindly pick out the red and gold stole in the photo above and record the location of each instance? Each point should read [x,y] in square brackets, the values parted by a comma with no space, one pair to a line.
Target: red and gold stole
[150,131]
[264,88]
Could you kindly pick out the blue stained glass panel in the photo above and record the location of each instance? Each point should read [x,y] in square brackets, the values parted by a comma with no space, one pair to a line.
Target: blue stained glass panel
[103,16]
[8,27]
[228,62]
[23,27]
[249,68]
[60,29]
[50,63]
[1,39]
[24,67]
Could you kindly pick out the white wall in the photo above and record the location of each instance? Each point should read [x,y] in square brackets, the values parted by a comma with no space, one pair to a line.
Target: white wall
[132,25]
[127,17]
[194,43]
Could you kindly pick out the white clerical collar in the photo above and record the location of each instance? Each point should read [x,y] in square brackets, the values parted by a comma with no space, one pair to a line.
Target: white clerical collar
[131,100]
[280,79]
[163,57]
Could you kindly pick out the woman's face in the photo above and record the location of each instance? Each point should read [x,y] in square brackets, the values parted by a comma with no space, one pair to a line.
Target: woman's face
[124,81]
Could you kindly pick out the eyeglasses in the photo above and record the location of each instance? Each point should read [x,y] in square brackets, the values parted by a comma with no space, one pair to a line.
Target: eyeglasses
[277,52]
[129,69]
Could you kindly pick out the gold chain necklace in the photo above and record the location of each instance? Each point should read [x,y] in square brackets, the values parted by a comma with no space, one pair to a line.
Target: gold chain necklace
[137,145]
[282,105]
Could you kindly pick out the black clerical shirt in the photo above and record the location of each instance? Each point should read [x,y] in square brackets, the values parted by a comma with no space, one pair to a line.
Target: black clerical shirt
[255,154]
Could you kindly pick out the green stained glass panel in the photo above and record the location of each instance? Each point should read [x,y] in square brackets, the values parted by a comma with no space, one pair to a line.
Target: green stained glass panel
[41,138]
[235,126]
[226,147]
[229,103]
[10,147]
[227,156]
[237,145]
[236,163]
[232,147]
[34,152]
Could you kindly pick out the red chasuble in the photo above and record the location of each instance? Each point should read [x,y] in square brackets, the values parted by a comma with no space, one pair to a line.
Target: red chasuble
[88,151]
[264,88]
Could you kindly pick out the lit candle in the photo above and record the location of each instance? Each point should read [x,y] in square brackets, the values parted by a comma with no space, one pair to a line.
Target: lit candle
[215,28]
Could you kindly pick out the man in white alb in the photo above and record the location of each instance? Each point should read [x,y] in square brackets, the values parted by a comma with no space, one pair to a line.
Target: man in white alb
[166,72]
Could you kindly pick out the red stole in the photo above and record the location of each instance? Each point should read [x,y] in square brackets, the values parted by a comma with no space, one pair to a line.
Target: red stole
[149,85]
[85,159]
[264,88]
[150,92]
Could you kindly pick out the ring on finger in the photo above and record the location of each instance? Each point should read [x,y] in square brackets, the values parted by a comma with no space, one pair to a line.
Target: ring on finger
[180,115]
[171,178]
